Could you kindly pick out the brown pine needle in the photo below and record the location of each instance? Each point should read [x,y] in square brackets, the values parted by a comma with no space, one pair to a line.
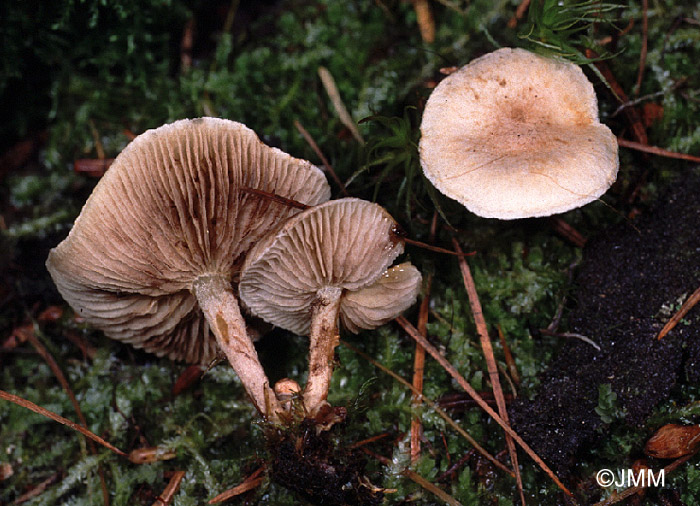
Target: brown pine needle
[411,331]
[519,13]
[417,478]
[687,306]
[643,52]
[186,46]
[58,418]
[567,232]
[251,482]
[631,113]
[491,365]
[44,353]
[369,440]
[96,139]
[656,151]
[438,492]
[512,368]
[437,249]
[426,22]
[329,168]
[276,198]
[433,405]
[93,167]
[338,105]
[418,367]
[38,489]
[170,490]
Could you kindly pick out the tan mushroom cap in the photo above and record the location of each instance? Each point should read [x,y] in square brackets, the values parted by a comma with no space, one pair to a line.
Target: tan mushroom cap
[395,291]
[346,244]
[516,135]
[171,209]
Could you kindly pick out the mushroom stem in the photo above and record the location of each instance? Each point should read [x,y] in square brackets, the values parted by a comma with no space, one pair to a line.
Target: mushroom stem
[323,340]
[220,307]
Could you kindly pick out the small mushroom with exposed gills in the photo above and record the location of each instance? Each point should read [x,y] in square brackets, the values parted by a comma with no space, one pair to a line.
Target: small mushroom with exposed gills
[516,135]
[327,263]
[154,256]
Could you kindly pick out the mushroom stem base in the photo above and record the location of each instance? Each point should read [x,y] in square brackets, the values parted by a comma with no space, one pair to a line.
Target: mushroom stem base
[220,307]
[323,340]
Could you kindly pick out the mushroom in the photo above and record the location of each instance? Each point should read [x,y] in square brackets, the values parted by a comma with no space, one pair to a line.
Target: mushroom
[516,135]
[153,258]
[327,262]
[286,390]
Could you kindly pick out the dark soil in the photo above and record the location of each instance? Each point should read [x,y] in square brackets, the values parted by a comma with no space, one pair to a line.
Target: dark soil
[313,466]
[627,276]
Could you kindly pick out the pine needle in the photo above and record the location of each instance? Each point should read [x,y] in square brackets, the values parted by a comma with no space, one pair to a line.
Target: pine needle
[433,405]
[687,306]
[338,105]
[58,418]
[491,365]
[411,331]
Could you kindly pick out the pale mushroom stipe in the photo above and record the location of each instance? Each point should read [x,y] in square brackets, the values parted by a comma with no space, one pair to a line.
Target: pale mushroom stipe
[327,263]
[154,256]
[515,135]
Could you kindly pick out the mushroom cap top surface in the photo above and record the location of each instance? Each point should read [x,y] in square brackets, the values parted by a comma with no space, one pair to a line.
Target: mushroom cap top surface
[345,244]
[514,135]
[172,207]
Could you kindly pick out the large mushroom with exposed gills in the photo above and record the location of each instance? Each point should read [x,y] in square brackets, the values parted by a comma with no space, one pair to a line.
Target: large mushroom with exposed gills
[153,259]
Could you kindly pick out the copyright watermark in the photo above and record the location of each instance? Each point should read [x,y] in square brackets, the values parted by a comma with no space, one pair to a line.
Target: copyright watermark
[625,478]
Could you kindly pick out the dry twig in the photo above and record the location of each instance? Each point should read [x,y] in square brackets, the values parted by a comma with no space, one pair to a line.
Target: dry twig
[96,139]
[186,45]
[436,249]
[580,337]
[369,440]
